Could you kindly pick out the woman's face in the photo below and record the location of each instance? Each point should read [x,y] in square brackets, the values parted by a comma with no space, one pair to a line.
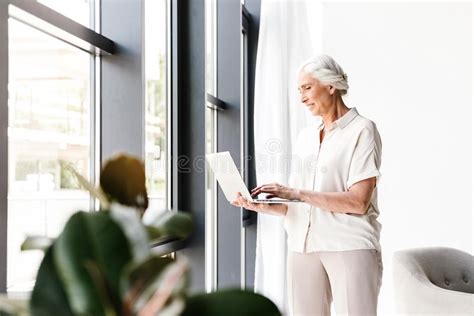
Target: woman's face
[314,95]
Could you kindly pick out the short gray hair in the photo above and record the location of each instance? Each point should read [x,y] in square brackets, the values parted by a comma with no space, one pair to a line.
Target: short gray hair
[325,69]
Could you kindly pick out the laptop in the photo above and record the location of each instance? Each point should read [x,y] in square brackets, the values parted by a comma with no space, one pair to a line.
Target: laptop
[224,169]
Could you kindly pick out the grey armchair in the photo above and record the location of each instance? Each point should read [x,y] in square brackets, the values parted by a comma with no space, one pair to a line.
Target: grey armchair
[433,281]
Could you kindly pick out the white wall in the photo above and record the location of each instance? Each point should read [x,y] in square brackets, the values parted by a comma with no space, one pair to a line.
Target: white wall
[410,71]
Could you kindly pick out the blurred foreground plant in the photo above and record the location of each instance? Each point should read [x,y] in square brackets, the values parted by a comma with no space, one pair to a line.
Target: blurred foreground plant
[102,264]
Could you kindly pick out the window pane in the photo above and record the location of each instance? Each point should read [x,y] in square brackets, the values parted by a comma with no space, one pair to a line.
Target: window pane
[49,120]
[77,10]
[156,162]
[211,146]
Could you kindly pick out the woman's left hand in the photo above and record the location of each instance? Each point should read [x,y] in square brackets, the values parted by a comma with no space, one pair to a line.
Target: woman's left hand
[276,190]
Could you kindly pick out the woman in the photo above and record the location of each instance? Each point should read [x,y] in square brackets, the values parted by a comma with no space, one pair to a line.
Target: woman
[333,237]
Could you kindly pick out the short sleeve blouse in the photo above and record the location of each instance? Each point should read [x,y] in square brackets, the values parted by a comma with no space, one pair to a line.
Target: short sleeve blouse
[350,152]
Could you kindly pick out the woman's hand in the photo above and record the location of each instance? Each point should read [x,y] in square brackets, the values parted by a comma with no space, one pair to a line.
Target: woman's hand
[276,190]
[241,201]
[278,209]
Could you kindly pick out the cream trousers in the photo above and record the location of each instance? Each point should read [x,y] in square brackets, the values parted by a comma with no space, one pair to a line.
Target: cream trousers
[351,278]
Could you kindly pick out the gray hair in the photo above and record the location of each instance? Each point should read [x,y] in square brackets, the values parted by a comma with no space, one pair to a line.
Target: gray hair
[325,69]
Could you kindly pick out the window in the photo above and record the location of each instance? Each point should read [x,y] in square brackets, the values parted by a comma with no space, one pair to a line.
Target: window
[77,10]
[211,147]
[51,123]
[55,72]
[156,105]
[49,120]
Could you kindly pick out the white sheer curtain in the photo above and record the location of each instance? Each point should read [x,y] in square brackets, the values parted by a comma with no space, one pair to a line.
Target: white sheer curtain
[289,34]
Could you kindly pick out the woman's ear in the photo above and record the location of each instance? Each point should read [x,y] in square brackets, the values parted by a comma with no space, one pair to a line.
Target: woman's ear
[331,90]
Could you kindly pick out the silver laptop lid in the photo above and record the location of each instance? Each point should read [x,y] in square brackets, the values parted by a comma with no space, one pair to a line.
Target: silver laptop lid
[226,173]
[230,180]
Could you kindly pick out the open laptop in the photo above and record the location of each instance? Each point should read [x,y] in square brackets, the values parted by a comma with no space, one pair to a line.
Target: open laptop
[230,181]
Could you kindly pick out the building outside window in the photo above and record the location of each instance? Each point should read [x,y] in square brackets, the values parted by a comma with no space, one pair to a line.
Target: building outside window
[49,121]
[156,104]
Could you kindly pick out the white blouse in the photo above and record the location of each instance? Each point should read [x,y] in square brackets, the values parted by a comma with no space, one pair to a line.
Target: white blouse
[350,152]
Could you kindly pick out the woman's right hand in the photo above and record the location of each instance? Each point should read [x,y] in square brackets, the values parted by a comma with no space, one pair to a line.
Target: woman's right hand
[241,201]
[274,209]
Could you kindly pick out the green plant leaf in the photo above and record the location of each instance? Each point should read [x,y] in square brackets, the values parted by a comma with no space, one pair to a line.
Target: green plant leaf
[128,218]
[101,286]
[141,278]
[37,243]
[91,238]
[170,224]
[232,302]
[49,297]
[165,291]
